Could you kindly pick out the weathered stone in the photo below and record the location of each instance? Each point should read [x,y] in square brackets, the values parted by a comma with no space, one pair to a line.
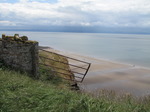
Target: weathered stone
[0,47]
[10,38]
[20,55]
[15,38]
[24,38]
[16,35]
[3,36]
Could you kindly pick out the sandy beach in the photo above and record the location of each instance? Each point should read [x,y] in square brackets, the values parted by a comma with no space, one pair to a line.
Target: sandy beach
[120,77]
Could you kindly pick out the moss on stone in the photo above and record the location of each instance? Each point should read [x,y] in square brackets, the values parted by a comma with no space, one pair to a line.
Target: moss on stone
[9,38]
[24,38]
[31,42]
[16,38]
[3,36]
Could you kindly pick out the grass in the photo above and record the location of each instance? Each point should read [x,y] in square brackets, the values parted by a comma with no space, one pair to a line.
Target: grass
[52,70]
[20,93]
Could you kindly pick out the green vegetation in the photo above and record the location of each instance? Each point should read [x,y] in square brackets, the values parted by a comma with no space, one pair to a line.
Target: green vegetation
[16,38]
[20,93]
[50,93]
[53,67]
[30,42]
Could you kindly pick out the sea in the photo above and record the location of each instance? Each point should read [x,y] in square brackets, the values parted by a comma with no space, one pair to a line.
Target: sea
[124,48]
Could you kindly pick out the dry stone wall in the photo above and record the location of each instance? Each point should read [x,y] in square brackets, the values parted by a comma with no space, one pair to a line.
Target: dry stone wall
[20,53]
[0,47]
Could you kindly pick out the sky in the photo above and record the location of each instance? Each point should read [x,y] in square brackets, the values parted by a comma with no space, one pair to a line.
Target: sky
[118,16]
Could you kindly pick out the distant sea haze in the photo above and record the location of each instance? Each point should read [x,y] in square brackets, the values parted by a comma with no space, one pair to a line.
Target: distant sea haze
[125,48]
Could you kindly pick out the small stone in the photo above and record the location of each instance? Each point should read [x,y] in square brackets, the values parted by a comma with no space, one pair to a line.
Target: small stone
[24,38]
[16,37]
[3,36]
[9,38]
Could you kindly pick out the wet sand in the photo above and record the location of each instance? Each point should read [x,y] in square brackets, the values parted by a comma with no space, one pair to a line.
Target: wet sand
[122,78]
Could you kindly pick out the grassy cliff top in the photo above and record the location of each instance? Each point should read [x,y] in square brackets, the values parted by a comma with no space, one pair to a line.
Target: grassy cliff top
[54,66]
[20,93]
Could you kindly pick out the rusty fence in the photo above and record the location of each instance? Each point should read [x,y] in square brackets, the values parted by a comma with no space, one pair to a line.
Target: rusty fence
[77,67]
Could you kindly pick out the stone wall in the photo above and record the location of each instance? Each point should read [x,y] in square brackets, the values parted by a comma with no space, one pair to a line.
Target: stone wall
[0,47]
[20,54]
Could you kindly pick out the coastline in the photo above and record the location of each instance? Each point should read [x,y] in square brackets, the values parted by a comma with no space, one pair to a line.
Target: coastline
[110,75]
[83,57]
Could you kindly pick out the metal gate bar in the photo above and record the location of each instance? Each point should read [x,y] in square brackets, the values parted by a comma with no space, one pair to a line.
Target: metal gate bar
[85,68]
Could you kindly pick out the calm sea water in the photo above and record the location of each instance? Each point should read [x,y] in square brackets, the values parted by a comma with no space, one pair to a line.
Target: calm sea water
[127,48]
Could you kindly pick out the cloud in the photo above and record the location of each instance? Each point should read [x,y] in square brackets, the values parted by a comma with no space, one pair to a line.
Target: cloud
[7,23]
[113,13]
[24,1]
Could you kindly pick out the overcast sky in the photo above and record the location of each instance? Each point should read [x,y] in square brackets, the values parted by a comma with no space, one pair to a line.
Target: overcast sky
[75,13]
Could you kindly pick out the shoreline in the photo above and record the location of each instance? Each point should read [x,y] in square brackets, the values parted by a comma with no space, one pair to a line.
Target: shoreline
[110,75]
[92,57]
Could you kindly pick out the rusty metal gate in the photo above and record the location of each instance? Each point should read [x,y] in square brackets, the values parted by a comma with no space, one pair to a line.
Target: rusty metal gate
[77,68]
